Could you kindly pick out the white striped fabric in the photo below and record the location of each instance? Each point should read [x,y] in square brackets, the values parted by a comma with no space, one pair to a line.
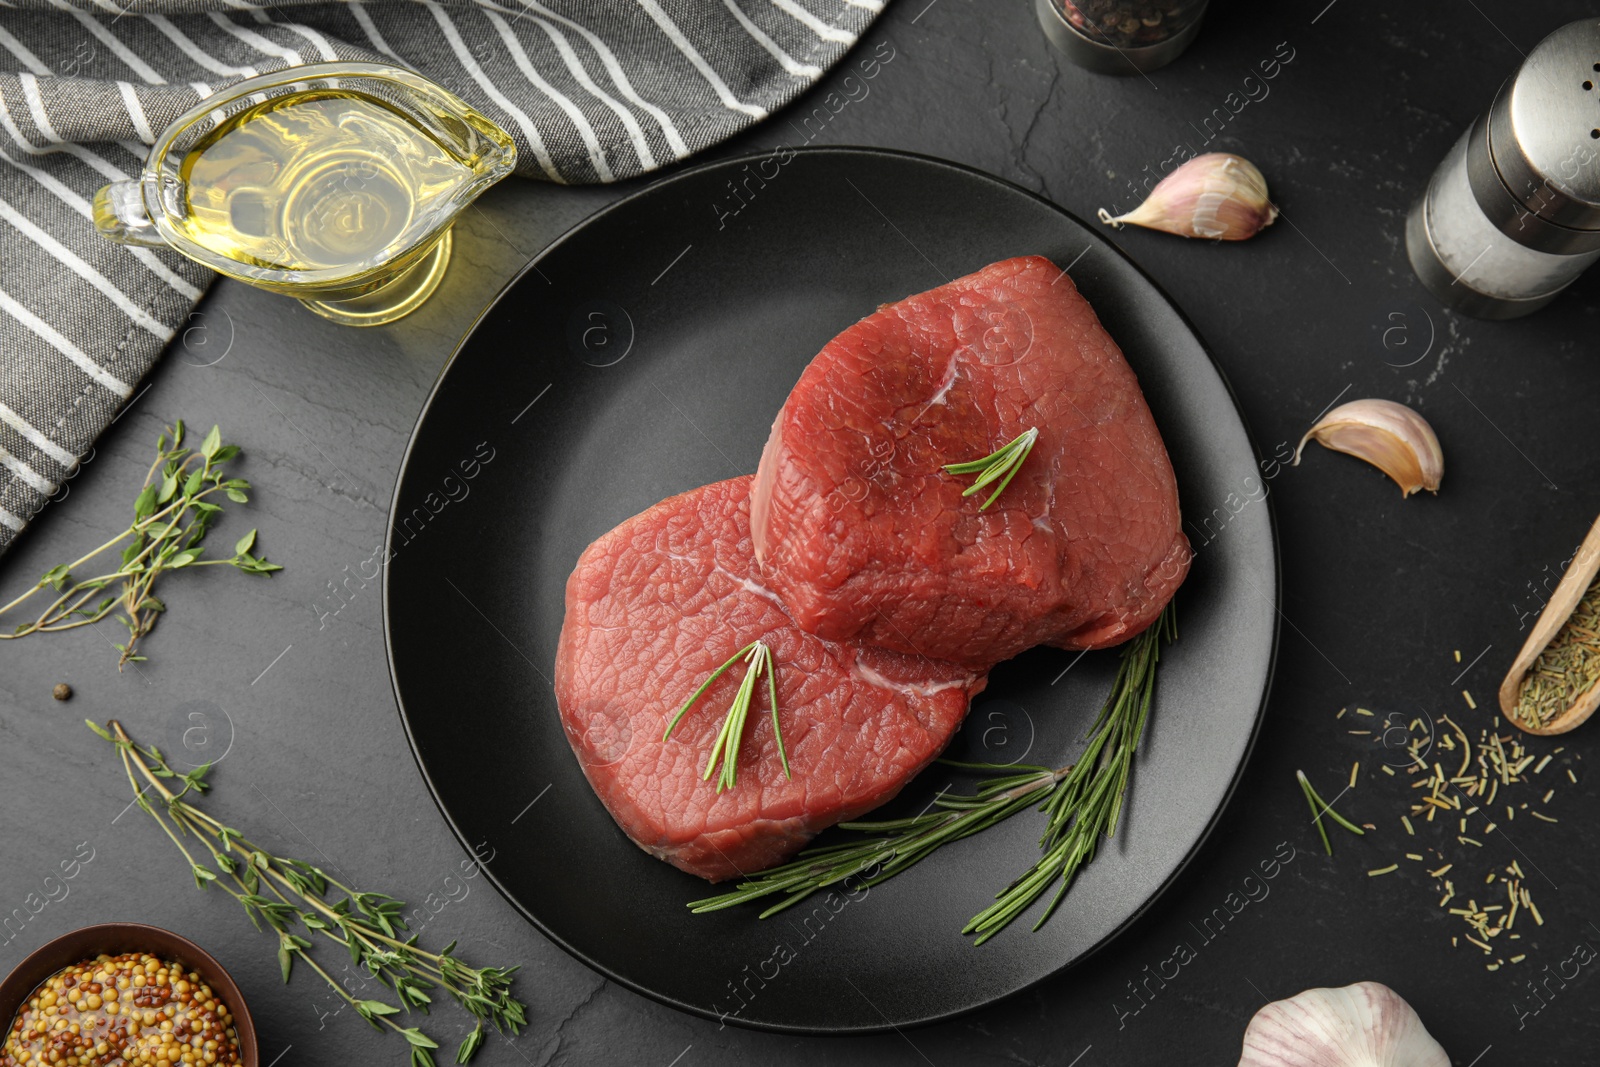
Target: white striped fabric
[592,91]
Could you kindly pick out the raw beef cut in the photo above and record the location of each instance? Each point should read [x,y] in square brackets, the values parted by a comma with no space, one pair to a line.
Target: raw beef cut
[864,536]
[653,608]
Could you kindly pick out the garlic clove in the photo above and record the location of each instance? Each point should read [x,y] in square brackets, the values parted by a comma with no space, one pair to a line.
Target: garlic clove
[1361,1025]
[1387,435]
[1216,196]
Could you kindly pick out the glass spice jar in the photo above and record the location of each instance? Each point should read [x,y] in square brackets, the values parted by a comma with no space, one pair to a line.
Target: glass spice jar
[1121,36]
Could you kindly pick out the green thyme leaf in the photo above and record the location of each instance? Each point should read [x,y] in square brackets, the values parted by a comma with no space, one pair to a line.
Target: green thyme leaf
[471,1045]
[145,504]
[418,1038]
[170,522]
[282,891]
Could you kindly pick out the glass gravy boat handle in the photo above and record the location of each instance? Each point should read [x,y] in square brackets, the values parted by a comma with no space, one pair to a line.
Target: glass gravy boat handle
[120,216]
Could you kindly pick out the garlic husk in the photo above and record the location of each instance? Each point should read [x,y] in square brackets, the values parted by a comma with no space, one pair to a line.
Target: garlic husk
[1216,196]
[1387,435]
[1361,1025]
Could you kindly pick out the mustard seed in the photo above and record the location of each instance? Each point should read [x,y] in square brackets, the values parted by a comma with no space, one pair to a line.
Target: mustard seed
[77,1016]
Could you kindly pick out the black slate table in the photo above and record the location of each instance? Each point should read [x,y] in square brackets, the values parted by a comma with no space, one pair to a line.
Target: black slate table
[284,681]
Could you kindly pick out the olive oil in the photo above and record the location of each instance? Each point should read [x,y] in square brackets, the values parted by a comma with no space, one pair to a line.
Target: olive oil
[333,183]
[327,180]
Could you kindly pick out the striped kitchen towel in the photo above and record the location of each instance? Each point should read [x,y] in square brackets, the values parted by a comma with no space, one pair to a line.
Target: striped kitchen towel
[592,90]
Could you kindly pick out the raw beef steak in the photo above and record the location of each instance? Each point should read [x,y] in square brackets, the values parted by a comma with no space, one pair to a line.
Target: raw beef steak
[653,608]
[865,537]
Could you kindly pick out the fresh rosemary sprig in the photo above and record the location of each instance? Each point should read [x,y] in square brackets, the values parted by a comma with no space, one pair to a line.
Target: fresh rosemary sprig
[1082,801]
[281,892]
[758,659]
[899,843]
[170,520]
[1085,805]
[1319,808]
[1003,463]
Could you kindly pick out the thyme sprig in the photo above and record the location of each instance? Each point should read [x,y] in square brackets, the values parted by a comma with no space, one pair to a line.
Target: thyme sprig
[758,661]
[1082,802]
[1003,463]
[1319,808]
[282,892]
[171,518]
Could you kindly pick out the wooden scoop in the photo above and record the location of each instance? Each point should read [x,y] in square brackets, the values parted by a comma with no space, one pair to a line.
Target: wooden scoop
[1574,584]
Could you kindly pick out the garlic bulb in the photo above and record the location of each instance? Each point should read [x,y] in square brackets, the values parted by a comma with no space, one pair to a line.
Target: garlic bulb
[1387,435]
[1361,1025]
[1217,196]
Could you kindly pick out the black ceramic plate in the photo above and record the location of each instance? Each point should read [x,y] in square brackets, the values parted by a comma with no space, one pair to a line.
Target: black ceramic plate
[646,353]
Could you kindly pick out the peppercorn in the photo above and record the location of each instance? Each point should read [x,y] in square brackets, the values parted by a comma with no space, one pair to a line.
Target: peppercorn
[1131,23]
[62,691]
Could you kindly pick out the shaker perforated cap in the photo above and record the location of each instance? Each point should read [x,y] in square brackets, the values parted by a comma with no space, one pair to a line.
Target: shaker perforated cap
[1543,132]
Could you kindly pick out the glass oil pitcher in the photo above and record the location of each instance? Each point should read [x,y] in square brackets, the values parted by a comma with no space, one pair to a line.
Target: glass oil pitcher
[334,183]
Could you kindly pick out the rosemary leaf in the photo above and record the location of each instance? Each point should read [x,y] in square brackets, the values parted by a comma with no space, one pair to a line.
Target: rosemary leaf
[1086,803]
[1320,807]
[1003,463]
[897,844]
[1316,817]
[725,749]
[1082,802]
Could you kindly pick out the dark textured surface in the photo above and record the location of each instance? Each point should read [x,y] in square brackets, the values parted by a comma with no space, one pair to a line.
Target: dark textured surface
[1378,592]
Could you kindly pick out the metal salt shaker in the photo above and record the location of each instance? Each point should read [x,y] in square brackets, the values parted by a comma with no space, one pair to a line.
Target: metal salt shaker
[1512,215]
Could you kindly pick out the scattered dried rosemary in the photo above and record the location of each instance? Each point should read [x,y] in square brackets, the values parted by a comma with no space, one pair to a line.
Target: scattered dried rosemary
[1568,667]
[1465,786]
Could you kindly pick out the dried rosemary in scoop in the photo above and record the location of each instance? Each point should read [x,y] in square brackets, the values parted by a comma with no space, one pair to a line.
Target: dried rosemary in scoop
[1568,667]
